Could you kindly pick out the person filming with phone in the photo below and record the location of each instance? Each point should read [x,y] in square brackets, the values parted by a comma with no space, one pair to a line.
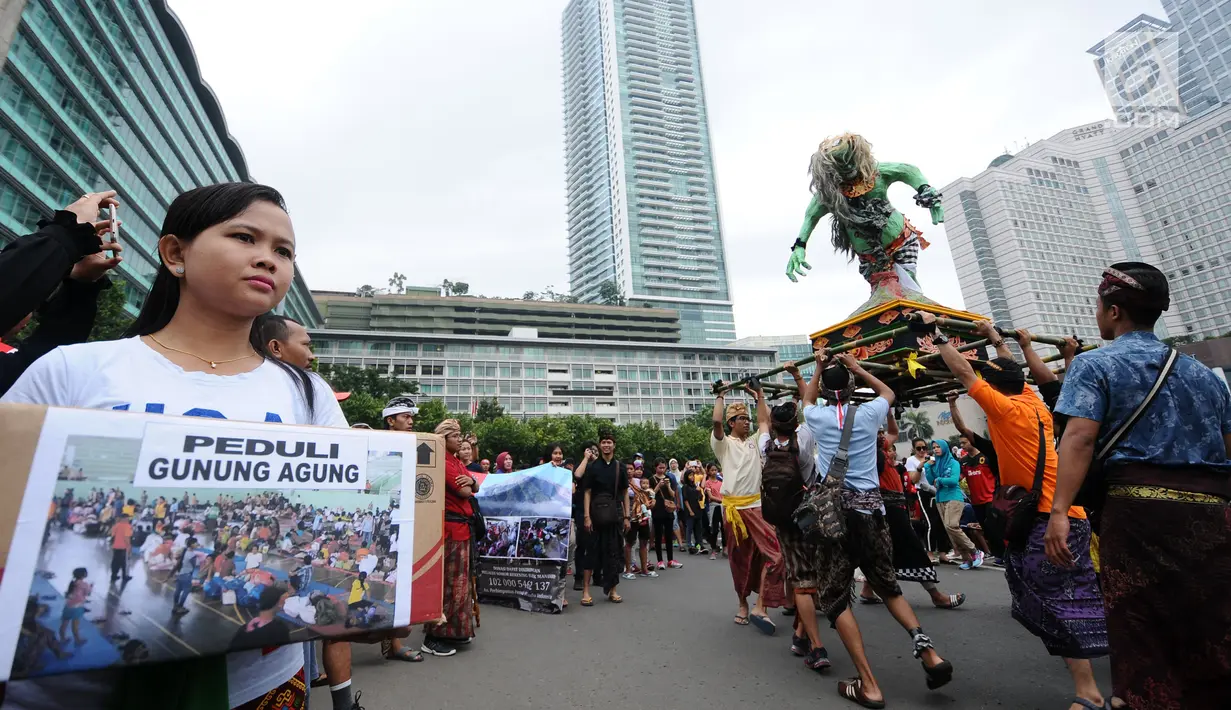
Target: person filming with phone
[56,273]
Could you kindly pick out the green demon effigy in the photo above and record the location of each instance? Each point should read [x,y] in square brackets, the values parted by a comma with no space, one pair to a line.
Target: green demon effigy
[851,186]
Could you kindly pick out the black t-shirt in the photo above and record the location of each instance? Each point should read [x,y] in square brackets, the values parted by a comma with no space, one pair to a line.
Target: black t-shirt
[661,497]
[275,633]
[692,497]
[604,477]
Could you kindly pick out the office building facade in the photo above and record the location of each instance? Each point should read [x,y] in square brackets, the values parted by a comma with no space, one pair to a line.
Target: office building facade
[426,311]
[642,200]
[1204,28]
[534,377]
[1031,234]
[107,95]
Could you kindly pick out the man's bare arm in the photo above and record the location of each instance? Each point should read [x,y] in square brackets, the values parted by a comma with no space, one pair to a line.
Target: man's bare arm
[1039,370]
[958,422]
[954,360]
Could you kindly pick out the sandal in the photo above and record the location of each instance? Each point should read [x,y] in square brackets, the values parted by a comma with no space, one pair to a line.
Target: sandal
[955,600]
[741,620]
[405,654]
[587,601]
[853,690]
[1090,704]
[939,674]
[763,624]
[614,598]
[870,600]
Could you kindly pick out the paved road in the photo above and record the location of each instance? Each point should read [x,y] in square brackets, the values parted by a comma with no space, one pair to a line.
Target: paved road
[671,644]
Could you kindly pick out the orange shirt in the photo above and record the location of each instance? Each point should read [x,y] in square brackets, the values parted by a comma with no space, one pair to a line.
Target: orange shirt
[121,535]
[1014,430]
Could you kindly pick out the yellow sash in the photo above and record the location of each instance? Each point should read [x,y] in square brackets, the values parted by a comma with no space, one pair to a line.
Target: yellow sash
[730,511]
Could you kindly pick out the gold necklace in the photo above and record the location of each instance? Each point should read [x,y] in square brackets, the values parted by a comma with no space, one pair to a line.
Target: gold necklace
[212,363]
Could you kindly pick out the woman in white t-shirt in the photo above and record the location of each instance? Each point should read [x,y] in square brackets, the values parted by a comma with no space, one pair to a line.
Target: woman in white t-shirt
[228,255]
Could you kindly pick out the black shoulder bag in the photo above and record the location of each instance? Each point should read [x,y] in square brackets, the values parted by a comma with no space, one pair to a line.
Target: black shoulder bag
[1015,507]
[1093,493]
[606,511]
[820,515]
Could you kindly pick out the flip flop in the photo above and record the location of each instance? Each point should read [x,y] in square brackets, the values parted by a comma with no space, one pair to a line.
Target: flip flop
[587,601]
[615,598]
[405,654]
[763,624]
[939,674]
[853,690]
[955,600]
[870,600]
[741,620]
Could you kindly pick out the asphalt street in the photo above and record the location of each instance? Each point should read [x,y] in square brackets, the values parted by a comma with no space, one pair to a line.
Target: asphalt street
[672,644]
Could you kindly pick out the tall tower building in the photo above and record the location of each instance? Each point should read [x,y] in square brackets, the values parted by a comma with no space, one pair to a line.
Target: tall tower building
[642,203]
[108,96]
[1204,28]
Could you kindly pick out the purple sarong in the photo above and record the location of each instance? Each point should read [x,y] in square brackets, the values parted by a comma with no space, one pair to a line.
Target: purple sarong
[1063,607]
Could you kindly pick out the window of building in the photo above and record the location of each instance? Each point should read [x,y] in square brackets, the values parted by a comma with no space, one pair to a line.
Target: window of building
[433,348]
[379,349]
[406,348]
[407,369]
[433,370]
[459,370]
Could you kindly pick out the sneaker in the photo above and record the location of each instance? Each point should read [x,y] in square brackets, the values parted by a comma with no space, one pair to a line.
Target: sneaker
[818,659]
[800,645]
[437,647]
[674,564]
[355,703]
[462,642]
[964,566]
[662,566]
[628,575]
[998,561]
[713,555]
[649,574]
[634,569]
[978,559]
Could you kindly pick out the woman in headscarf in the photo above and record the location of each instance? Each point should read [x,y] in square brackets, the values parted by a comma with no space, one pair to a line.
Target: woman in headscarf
[944,472]
[504,463]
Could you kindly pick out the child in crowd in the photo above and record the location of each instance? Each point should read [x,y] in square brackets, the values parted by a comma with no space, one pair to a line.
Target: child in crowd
[74,605]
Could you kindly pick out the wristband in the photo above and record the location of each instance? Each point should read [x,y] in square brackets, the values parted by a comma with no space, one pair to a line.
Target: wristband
[799,244]
[940,338]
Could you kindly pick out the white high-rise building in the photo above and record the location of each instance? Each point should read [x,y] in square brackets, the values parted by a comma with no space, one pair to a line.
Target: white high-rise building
[1032,233]
[642,203]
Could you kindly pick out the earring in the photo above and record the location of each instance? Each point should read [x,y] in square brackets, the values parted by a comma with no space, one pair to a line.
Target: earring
[179,270]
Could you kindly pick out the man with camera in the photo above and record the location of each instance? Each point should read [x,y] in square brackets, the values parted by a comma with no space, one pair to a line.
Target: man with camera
[865,543]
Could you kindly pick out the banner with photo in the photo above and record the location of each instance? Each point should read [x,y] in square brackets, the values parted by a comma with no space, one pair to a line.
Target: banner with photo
[523,557]
[139,538]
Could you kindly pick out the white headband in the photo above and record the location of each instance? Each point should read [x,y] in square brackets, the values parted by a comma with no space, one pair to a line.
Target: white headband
[399,409]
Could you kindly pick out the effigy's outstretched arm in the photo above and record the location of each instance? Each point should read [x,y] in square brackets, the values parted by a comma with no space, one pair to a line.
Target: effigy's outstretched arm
[796,266]
[925,194]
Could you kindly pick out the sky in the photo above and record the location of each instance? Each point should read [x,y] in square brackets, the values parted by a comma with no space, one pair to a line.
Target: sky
[426,138]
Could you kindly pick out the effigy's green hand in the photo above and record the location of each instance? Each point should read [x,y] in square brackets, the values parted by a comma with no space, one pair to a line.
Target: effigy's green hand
[797,266]
[928,197]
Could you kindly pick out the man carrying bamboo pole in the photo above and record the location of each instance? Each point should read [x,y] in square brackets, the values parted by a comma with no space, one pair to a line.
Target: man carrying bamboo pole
[752,546]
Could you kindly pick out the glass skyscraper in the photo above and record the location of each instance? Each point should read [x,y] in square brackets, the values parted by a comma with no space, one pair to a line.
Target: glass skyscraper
[642,203]
[106,94]
[1205,51]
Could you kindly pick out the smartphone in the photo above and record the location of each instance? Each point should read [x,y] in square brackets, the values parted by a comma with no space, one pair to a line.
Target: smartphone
[114,230]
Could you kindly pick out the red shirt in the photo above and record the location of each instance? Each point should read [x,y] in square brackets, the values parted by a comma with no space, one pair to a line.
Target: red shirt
[979,479]
[889,478]
[454,503]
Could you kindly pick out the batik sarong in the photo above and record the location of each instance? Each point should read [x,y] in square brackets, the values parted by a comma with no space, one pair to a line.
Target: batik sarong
[865,545]
[291,695]
[910,561]
[1167,580]
[1063,607]
[758,549]
[458,606]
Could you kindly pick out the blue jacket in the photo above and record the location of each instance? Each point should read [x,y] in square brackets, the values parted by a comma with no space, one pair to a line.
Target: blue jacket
[945,473]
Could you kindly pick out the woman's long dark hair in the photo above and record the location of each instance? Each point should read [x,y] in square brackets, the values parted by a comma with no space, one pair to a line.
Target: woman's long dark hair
[190,214]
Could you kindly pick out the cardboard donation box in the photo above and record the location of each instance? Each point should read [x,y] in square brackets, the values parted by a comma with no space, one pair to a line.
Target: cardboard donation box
[131,538]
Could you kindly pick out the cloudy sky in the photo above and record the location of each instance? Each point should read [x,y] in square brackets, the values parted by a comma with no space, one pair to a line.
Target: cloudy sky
[427,137]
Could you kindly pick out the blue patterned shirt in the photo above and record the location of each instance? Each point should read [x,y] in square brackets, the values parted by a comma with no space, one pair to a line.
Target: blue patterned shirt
[1183,426]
